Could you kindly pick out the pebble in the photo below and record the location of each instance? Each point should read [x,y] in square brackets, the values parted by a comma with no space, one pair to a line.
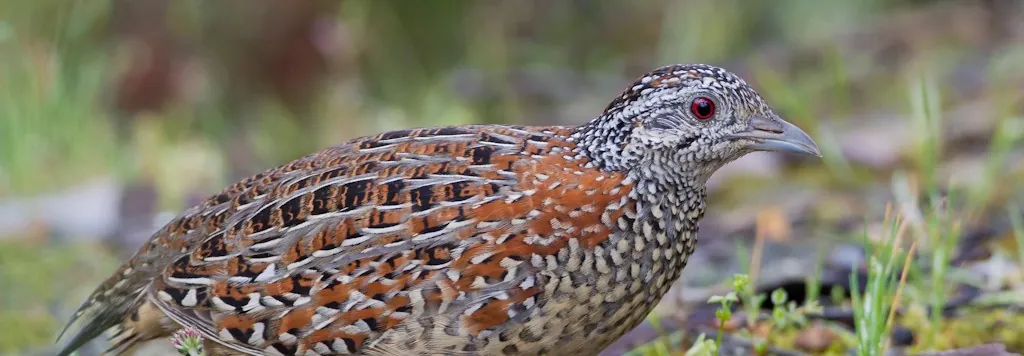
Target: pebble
[815,338]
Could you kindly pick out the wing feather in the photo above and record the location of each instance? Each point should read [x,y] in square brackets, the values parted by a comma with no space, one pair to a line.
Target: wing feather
[344,249]
[324,256]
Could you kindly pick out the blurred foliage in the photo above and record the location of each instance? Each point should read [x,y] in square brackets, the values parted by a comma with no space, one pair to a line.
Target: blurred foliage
[267,81]
[44,278]
[186,96]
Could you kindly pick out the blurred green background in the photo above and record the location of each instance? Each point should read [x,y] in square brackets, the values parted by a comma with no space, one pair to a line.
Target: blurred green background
[117,114]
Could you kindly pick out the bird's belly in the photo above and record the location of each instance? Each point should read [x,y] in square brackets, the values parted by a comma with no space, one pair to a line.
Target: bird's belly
[568,327]
[583,307]
[585,311]
[578,323]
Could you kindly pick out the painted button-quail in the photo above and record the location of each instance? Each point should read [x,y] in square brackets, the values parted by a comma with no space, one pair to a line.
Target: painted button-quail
[477,239]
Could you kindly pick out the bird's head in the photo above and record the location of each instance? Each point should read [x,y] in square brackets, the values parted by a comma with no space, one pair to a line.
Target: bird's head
[692,117]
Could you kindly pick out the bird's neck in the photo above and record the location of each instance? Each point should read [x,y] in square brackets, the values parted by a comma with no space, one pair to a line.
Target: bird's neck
[653,237]
[668,209]
[668,191]
[602,141]
[650,247]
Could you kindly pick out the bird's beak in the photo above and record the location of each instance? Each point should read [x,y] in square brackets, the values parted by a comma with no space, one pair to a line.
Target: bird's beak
[774,134]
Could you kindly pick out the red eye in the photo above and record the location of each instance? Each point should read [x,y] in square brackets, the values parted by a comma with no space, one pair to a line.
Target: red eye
[703,108]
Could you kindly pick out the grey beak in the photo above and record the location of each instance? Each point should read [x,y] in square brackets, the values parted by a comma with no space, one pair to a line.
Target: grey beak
[774,134]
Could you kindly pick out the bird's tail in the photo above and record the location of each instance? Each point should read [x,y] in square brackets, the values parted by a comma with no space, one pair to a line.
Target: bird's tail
[117,298]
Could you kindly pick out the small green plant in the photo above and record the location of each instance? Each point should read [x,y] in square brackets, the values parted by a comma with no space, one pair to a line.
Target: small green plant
[703,347]
[1018,230]
[724,312]
[787,315]
[744,287]
[752,301]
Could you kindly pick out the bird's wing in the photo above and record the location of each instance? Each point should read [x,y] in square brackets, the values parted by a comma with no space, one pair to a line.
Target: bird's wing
[330,252]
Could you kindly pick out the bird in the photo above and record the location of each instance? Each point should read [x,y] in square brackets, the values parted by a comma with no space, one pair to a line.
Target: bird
[449,240]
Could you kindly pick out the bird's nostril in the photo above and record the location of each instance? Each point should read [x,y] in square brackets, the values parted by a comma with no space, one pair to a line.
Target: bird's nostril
[767,125]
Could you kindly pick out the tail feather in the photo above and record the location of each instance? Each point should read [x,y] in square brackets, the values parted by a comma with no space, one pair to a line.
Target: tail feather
[107,306]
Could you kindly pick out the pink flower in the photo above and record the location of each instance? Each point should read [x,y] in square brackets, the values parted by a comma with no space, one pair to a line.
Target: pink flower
[188,342]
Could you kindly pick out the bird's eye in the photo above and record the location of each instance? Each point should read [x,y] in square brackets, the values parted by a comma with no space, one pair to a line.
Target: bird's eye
[702,108]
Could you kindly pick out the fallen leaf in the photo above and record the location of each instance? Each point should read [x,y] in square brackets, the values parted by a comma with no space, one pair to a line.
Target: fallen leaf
[773,224]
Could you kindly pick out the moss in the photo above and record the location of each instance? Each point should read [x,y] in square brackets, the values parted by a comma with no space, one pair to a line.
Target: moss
[24,328]
[41,285]
[973,327]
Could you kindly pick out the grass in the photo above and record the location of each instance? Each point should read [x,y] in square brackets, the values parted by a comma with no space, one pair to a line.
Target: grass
[943,235]
[1018,230]
[813,282]
[926,118]
[872,302]
[58,122]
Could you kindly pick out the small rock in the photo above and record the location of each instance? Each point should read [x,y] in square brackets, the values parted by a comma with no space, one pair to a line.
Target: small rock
[762,329]
[846,255]
[815,338]
[902,336]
